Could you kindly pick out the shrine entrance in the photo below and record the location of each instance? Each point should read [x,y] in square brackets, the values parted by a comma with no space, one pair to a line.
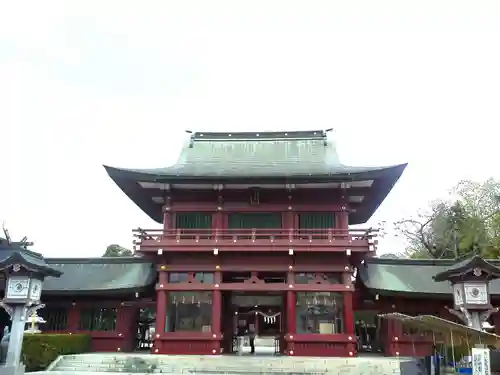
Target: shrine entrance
[368,328]
[145,329]
[251,314]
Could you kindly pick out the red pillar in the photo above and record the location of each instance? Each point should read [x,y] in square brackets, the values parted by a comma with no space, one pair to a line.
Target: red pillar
[343,222]
[290,321]
[349,323]
[161,310]
[167,218]
[496,322]
[73,324]
[126,327]
[343,215]
[216,313]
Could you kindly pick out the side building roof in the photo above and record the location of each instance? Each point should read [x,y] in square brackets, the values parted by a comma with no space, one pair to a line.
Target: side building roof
[90,276]
[411,277]
[295,158]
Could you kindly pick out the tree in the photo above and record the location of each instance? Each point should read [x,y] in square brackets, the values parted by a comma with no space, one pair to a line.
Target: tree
[468,222]
[117,251]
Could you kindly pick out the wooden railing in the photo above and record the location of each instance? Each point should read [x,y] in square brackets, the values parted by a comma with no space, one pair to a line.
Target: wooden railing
[277,236]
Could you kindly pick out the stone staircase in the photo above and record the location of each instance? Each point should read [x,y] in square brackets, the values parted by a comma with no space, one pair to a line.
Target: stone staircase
[215,365]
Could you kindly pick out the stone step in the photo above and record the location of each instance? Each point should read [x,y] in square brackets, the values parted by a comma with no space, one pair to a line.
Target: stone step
[199,366]
[227,365]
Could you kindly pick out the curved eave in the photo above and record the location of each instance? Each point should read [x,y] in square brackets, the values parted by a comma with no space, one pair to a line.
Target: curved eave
[416,294]
[127,181]
[19,258]
[381,187]
[178,174]
[384,179]
[99,292]
[101,276]
[398,293]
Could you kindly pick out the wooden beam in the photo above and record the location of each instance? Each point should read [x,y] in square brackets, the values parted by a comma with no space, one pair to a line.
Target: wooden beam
[245,287]
[257,267]
[236,194]
[246,207]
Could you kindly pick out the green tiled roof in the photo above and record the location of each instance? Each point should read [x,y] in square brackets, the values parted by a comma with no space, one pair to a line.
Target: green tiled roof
[306,154]
[269,157]
[97,275]
[408,276]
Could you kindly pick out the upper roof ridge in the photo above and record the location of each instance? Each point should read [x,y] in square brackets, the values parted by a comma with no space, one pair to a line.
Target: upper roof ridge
[266,135]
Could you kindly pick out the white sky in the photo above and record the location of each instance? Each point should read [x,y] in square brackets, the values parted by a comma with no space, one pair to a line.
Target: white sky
[86,83]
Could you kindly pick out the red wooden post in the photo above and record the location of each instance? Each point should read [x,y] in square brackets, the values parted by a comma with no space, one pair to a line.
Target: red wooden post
[349,322]
[343,215]
[167,219]
[73,324]
[216,313]
[125,321]
[290,324]
[161,310]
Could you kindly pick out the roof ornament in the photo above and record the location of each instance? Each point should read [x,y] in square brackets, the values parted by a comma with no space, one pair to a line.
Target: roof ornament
[191,138]
[24,243]
[142,234]
[325,140]
[6,233]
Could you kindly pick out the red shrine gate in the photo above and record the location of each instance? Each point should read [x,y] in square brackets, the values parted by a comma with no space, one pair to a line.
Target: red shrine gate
[257,214]
[202,299]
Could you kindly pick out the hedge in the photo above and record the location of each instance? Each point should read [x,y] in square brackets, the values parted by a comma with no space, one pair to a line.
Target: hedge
[40,350]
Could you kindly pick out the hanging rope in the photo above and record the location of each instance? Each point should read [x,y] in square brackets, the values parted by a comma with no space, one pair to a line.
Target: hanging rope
[468,345]
[268,318]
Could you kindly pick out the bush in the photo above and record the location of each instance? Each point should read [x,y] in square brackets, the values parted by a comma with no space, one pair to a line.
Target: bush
[40,350]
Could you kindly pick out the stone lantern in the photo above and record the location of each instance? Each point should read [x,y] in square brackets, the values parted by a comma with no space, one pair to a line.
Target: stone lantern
[33,323]
[470,279]
[24,272]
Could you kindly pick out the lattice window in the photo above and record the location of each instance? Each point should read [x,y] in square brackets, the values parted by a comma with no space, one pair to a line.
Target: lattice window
[319,312]
[316,224]
[316,220]
[189,311]
[56,319]
[98,319]
[192,225]
[254,220]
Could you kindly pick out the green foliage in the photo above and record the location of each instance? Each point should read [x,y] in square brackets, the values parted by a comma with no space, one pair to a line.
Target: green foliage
[117,251]
[468,222]
[40,350]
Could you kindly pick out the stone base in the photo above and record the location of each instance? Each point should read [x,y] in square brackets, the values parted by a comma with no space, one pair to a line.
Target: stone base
[32,331]
[12,370]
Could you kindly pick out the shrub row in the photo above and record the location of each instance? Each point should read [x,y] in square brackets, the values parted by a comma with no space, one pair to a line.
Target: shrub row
[40,350]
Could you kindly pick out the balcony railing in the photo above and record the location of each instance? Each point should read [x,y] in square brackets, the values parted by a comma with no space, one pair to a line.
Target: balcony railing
[356,240]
